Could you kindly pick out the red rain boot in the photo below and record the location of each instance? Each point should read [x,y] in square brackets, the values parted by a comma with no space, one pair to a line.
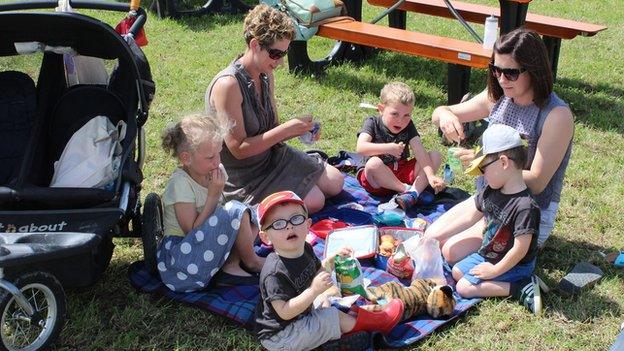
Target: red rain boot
[382,321]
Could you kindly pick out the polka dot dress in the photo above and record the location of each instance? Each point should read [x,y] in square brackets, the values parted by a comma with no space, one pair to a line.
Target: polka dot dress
[188,263]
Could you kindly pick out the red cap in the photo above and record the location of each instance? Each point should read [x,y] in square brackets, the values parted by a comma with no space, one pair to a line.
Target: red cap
[277,198]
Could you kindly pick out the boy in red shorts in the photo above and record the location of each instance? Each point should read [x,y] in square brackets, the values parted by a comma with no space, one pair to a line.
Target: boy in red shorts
[386,140]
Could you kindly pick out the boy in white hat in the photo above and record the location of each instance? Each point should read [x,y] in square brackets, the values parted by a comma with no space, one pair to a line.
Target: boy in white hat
[505,262]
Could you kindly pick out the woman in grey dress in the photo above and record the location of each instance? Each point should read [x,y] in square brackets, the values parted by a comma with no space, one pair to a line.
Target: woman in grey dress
[256,159]
[519,94]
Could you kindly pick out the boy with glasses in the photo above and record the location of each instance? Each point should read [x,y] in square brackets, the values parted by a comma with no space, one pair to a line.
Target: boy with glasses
[505,262]
[293,277]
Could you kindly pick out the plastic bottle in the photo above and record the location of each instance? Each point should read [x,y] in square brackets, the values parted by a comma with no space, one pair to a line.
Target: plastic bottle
[309,137]
[491,32]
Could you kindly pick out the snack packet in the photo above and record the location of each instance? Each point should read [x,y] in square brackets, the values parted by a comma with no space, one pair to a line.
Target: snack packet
[349,275]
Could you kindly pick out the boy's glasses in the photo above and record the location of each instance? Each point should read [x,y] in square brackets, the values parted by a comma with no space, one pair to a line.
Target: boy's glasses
[275,54]
[483,167]
[280,224]
[511,74]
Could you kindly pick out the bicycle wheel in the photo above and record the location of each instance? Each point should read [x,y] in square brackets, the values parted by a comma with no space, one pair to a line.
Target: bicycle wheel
[18,330]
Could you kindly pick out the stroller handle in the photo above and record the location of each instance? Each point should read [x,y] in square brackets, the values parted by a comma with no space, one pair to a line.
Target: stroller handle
[78,4]
[141,16]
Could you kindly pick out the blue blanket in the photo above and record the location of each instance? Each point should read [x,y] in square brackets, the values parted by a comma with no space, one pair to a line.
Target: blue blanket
[238,303]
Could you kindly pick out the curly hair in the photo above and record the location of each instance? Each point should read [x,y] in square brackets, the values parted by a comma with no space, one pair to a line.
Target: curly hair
[267,25]
[397,92]
[194,129]
[527,48]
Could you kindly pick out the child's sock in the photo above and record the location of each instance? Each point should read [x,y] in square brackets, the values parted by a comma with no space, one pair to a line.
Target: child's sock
[410,189]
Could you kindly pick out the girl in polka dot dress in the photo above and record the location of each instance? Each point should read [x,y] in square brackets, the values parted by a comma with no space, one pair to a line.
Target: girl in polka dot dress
[204,238]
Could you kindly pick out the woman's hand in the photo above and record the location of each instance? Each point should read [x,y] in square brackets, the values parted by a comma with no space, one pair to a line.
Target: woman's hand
[451,127]
[216,182]
[465,156]
[299,126]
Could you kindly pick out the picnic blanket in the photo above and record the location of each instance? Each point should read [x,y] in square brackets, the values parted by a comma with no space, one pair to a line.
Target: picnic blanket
[238,303]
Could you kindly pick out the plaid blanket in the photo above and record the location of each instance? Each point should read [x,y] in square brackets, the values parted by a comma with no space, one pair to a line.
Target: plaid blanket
[238,303]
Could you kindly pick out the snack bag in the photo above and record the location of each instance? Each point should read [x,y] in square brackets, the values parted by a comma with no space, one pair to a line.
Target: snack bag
[400,265]
[349,275]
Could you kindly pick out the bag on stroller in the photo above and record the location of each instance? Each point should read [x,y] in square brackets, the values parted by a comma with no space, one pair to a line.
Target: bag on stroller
[92,157]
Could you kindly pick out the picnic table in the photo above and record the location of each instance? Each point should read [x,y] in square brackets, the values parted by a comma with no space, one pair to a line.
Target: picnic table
[512,14]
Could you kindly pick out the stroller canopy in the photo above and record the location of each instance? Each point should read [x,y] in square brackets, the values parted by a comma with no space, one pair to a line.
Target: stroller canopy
[87,36]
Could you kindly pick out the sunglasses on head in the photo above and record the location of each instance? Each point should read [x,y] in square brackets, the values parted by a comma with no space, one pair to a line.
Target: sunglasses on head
[280,224]
[511,74]
[275,54]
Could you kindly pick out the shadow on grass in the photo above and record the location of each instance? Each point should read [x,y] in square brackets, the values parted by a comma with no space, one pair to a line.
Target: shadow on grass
[598,105]
[561,255]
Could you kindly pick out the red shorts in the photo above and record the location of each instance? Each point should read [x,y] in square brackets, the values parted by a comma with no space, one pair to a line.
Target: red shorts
[404,173]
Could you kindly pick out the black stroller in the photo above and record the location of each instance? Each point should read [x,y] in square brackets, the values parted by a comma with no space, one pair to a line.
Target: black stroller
[52,238]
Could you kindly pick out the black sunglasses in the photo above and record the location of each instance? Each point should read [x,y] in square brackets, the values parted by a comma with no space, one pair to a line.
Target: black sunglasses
[280,224]
[511,74]
[275,54]
[483,167]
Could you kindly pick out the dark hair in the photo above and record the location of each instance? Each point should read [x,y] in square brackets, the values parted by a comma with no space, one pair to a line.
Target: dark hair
[527,48]
[516,154]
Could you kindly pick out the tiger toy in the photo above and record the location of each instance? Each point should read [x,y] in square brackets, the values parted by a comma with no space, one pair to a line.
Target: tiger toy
[423,295]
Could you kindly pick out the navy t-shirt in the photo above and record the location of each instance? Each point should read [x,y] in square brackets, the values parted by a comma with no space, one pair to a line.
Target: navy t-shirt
[380,134]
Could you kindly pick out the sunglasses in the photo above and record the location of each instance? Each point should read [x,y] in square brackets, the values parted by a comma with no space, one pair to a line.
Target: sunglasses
[511,74]
[280,224]
[275,54]
[483,167]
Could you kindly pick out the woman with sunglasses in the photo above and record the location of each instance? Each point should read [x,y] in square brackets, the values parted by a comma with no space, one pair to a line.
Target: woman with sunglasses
[256,159]
[519,94]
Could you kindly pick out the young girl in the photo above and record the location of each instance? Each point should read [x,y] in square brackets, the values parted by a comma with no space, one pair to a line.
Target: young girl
[203,238]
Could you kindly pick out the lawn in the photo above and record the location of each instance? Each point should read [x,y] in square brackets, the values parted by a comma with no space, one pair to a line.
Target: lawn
[185,54]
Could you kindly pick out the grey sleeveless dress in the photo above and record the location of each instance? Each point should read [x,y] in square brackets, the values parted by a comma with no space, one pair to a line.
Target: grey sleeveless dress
[529,121]
[279,168]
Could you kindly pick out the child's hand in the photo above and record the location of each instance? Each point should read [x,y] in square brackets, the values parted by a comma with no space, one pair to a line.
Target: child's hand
[437,183]
[321,282]
[216,182]
[345,251]
[485,271]
[465,156]
[328,262]
[396,149]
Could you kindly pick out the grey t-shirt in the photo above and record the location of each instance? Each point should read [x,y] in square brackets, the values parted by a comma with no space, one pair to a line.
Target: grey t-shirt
[507,216]
[380,134]
[282,279]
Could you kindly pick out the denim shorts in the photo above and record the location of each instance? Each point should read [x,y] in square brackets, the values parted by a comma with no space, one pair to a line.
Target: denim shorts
[518,272]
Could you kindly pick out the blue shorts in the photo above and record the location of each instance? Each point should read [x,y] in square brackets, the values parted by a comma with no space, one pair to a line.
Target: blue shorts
[518,272]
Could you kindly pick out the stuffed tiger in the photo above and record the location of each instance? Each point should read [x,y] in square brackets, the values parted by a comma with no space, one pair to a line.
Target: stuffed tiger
[424,295]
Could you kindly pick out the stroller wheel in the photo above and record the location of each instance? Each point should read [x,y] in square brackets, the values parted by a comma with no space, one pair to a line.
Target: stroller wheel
[152,229]
[20,331]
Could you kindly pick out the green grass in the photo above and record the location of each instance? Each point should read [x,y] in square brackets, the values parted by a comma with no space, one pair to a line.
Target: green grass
[184,56]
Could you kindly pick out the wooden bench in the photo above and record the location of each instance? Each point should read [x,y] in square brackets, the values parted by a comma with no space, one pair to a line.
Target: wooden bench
[460,55]
[551,28]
